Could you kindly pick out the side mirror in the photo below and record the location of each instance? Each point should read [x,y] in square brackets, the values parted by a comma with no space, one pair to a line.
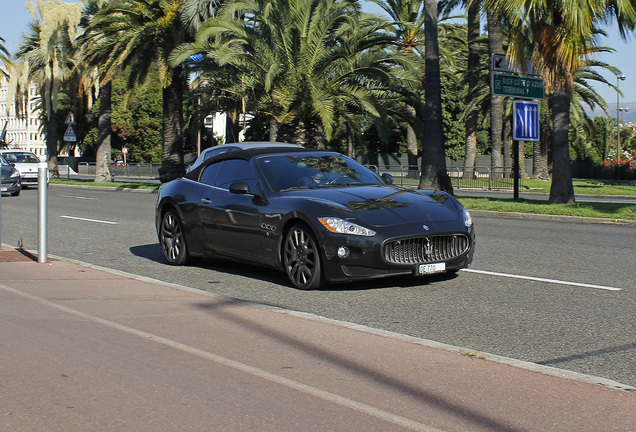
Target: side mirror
[240,187]
[387,178]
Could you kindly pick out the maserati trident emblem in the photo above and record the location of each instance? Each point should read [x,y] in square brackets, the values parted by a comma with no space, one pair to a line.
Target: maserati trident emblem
[428,248]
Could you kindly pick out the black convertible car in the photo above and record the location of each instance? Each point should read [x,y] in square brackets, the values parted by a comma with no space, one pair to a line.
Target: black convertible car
[317,215]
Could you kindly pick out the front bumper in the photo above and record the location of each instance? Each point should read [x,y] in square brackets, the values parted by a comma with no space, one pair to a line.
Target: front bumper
[29,179]
[11,185]
[366,256]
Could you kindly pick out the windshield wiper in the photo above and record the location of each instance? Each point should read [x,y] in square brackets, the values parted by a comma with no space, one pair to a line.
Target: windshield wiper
[296,188]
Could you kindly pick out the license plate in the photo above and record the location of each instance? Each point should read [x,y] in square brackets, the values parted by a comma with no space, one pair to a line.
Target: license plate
[425,269]
[4,189]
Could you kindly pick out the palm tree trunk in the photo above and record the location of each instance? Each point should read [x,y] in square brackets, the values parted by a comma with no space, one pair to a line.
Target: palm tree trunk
[411,137]
[232,127]
[473,79]
[102,169]
[172,165]
[273,130]
[561,191]
[540,167]
[495,46]
[51,144]
[351,137]
[507,147]
[434,174]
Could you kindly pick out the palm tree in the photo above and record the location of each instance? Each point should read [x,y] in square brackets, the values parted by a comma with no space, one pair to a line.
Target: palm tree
[5,58]
[299,62]
[407,21]
[47,59]
[94,59]
[434,174]
[495,46]
[562,32]
[141,35]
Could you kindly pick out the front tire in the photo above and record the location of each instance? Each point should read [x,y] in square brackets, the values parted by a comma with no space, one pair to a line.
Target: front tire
[301,258]
[172,238]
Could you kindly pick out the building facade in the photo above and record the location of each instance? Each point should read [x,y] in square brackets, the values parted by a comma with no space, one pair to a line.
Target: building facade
[22,131]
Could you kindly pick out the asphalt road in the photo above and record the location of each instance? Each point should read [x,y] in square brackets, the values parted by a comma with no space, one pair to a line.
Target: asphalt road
[576,311]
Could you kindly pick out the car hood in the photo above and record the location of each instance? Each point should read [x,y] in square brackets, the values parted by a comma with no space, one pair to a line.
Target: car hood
[387,205]
[6,171]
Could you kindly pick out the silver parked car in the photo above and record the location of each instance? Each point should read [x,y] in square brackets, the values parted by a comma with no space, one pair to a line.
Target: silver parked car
[26,163]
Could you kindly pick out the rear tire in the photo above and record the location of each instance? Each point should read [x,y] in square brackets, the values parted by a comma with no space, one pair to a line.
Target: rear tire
[172,238]
[17,193]
[301,257]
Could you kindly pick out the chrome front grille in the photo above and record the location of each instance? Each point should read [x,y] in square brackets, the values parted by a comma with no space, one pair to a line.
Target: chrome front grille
[417,250]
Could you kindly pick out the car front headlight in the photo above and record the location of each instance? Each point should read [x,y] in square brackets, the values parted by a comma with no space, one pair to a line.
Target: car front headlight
[15,174]
[341,226]
[468,220]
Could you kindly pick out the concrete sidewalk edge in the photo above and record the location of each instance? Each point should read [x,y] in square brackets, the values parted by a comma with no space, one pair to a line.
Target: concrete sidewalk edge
[553,218]
[534,367]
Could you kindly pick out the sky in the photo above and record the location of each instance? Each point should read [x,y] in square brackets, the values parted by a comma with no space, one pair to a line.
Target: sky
[14,18]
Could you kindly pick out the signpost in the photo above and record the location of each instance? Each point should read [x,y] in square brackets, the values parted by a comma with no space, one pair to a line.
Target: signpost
[517,86]
[69,135]
[525,117]
[500,63]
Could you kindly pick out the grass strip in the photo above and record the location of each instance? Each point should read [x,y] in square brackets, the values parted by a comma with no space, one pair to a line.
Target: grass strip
[625,211]
[115,184]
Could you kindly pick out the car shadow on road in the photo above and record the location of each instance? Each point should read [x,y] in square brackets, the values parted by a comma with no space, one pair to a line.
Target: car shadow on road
[152,252]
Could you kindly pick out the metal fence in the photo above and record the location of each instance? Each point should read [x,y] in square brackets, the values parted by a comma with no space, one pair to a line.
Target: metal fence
[481,178]
[123,170]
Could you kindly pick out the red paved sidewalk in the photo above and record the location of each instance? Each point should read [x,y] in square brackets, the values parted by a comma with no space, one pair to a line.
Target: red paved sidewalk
[83,348]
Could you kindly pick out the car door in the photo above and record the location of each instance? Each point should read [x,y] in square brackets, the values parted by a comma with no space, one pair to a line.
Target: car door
[231,221]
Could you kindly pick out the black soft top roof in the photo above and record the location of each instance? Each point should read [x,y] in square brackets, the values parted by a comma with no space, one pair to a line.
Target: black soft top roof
[247,155]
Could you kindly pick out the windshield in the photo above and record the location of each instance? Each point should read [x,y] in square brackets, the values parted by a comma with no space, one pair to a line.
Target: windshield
[310,171]
[21,157]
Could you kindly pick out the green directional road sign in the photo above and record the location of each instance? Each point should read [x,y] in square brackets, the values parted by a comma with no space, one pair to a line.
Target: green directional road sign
[517,86]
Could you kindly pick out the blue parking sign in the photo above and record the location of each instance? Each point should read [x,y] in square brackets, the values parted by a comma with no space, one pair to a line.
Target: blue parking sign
[525,124]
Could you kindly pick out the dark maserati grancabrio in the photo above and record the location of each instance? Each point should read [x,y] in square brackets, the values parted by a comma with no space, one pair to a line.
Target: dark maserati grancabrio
[317,215]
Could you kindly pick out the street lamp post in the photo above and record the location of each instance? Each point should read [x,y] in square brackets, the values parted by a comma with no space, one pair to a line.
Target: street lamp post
[619,78]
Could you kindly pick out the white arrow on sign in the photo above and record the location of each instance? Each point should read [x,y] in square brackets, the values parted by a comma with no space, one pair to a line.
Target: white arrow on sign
[500,63]
[526,121]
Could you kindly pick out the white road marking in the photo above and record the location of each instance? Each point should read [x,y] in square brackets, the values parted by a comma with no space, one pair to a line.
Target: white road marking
[77,197]
[538,279]
[277,379]
[90,220]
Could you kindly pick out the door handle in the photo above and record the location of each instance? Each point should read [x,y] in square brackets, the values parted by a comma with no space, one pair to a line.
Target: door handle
[206,200]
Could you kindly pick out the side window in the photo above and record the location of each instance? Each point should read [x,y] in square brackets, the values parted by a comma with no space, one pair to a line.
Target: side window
[208,176]
[235,169]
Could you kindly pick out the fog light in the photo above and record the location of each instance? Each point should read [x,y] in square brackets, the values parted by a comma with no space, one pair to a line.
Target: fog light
[343,252]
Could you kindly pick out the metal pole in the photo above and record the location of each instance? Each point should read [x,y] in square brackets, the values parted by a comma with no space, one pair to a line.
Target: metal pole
[515,148]
[0,220]
[42,207]
[618,127]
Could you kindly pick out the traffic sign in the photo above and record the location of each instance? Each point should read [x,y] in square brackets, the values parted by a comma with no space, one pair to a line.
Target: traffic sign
[526,122]
[70,119]
[69,135]
[517,86]
[500,63]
